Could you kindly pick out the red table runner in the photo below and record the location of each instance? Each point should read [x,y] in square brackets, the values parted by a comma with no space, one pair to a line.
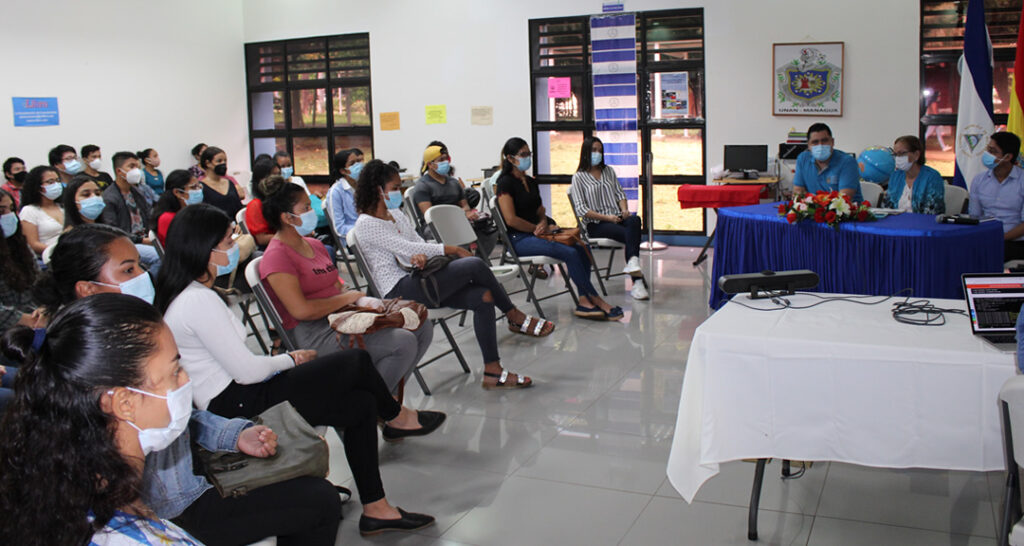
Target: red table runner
[714,197]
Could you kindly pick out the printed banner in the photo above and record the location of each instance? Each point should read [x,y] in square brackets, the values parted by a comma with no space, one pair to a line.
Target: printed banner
[613,40]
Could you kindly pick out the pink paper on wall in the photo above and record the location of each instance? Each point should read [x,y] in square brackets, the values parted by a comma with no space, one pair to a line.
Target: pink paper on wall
[559,88]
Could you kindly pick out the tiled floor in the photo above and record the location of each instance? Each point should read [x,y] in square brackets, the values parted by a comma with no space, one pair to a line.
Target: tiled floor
[580,458]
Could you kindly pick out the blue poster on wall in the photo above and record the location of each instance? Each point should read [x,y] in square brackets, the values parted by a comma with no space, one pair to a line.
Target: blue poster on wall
[35,111]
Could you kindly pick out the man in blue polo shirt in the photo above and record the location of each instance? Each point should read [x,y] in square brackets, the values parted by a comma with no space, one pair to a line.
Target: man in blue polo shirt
[823,168]
[999,192]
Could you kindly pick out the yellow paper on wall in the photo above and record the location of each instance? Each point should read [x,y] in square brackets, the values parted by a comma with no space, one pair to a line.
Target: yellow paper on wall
[436,114]
[389,121]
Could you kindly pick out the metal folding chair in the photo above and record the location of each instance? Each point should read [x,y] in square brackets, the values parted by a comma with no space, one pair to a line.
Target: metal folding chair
[342,253]
[600,243]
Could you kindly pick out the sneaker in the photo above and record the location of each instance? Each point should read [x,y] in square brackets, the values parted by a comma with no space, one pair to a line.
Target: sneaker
[632,266]
[639,292]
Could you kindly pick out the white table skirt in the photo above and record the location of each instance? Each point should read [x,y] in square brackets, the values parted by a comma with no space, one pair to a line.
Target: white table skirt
[837,382]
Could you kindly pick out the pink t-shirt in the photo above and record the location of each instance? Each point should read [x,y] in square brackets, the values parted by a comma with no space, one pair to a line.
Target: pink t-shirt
[317,275]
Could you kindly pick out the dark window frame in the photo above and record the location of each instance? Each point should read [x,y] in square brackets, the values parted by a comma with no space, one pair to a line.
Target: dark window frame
[254,61]
[645,68]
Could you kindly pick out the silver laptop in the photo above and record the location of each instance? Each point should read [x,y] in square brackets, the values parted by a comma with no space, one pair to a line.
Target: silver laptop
[994,301]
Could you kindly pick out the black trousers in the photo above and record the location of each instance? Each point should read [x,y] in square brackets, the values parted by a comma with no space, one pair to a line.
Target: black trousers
[342,390]
[301,511]
[1013,250]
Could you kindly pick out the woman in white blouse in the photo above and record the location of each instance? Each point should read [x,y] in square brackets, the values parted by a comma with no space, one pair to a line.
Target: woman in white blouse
[341,389]
[385,239]
[599,200]
[42,218]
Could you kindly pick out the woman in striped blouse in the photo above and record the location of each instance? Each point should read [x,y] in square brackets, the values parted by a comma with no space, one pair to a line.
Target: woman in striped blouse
[601,205]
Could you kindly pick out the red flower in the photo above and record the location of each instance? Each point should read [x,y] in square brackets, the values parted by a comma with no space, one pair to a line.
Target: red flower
[791,217]
[831,216]
[782,208]
[865,204]
[862,215]
[833,195]
[819,215]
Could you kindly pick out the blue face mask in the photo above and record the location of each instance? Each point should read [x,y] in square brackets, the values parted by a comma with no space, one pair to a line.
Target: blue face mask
[9,224]
[354,170]
[595,158]
[53,191]
[287,172]
[91,207]
[141,287]
[73,166]
[821,152]
[194,197]
[989,160]
[524,163]
[393,199]
[233,254]
[443,168]
[308,222]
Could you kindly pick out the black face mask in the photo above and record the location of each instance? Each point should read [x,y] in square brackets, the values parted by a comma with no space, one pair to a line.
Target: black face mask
[19,177]
[221,169]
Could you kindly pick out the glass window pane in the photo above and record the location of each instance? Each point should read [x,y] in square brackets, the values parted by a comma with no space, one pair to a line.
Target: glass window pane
[942,24]
[679,38]
[266,64]
[677,95]
[941,87]
[351,106]
[559,208]
[310,155]
[677,151]
[347,142]
[940,148]
[558,152]
[667,214]
[557,101]
[561,44]
[267,110]
[269,145]
[1002,73]
[309,108]
[307,60]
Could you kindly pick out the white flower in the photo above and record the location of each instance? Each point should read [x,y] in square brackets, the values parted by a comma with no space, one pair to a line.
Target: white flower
[800,207]
[809,199]
[840,206]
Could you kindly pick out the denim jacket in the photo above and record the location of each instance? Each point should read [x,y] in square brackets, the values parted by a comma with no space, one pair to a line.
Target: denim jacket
[168,484]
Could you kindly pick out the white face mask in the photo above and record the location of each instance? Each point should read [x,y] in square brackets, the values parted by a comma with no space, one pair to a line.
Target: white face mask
[902,163]
[133,176]
[95,164]
[179,404]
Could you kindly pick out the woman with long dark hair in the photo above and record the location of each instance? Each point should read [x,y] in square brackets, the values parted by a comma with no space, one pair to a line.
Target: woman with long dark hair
[523,210]
[599,200]
[83,202]
[181,190]
[341,389]
[42,218]
[18,271]
[73,450]
[150,170]
[262,167]
[219,189]
[387,238]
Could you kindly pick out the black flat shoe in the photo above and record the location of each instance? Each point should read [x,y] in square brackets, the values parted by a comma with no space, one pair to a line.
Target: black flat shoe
[429,421]
[408,522]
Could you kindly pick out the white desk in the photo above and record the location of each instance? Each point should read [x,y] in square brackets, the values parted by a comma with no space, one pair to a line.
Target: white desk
[837,382]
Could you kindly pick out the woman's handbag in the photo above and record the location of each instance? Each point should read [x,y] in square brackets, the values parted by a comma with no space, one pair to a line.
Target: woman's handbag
[368,315]
[425,275]
[566,236]
[300,452]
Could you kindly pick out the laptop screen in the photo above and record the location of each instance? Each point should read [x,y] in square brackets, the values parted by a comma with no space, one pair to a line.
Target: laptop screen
[994,301]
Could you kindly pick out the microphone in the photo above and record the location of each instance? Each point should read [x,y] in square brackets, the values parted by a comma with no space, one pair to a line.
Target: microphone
[956,219]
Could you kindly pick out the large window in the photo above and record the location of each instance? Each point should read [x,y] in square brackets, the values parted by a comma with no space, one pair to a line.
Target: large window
[942,43]
[670,80]
[311,98]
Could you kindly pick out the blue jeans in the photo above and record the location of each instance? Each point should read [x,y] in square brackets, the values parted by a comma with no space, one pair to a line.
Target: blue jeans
[149,258]
[7,387]
[627,233]
[575,258]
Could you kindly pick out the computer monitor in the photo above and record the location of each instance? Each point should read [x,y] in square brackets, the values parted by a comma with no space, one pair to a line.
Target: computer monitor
[994,301]
[739,158]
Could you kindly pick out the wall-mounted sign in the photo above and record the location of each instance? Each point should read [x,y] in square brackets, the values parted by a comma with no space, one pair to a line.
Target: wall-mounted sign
[35,111]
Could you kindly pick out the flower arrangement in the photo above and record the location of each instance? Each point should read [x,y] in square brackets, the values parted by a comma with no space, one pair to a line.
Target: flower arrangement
[825,208]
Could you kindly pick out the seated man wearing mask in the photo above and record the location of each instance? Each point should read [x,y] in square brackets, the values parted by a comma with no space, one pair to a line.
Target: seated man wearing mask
[999,192]
[823,168]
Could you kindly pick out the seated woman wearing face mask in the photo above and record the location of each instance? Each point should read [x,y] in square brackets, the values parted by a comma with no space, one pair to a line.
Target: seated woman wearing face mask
[914,186]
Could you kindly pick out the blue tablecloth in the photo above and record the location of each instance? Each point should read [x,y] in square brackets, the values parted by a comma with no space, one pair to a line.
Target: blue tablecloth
[877,258]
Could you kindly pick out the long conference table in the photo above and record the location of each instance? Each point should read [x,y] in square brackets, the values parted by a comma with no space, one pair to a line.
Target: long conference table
[836,382]
[879,258]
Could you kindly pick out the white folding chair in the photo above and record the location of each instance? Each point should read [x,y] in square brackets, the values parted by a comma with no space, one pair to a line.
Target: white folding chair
[411,210]
[599,243]
[240,220]
[871,192]
[342,251]
[438,316]
[1011,405]
[157,244]
[451,227]
[259,292]
[955,198]
[509,254]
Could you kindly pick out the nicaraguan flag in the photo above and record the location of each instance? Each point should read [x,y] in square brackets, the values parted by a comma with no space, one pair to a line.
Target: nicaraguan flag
[974,115]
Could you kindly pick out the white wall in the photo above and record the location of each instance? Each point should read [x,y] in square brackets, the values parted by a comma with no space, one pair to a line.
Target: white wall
[464,53]
[128,75]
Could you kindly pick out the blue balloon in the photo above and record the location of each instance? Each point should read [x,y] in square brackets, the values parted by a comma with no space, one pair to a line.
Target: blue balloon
[876,164]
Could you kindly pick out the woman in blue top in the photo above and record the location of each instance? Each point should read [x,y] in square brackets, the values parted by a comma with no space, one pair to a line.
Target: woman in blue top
[914,186]
[154,178]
